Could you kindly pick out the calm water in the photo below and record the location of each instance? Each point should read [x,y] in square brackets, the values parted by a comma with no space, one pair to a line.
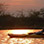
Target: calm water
[5,39]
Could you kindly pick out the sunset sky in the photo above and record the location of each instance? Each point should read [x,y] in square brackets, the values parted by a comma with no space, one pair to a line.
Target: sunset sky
[23,4]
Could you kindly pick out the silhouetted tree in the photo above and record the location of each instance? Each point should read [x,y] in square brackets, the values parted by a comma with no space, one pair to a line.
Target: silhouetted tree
[2,9]
[33,21]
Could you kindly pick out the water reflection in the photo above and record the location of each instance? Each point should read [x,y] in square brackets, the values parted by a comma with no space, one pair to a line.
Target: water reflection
[21,40]
[5,39]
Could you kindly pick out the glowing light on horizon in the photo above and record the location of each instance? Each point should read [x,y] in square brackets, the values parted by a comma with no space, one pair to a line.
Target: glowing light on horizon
[20,31]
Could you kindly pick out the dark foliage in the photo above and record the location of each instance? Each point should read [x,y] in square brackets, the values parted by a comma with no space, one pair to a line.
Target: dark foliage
[34,21]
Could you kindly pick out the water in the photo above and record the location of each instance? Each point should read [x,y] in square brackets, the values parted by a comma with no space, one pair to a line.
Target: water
[5,39]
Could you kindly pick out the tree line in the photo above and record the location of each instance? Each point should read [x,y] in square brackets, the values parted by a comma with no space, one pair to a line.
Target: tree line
[34,19]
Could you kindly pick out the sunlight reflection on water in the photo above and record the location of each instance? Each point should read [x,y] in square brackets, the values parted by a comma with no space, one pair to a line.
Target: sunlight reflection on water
[5,39]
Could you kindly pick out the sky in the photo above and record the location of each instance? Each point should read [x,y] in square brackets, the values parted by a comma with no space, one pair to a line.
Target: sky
[23,4]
